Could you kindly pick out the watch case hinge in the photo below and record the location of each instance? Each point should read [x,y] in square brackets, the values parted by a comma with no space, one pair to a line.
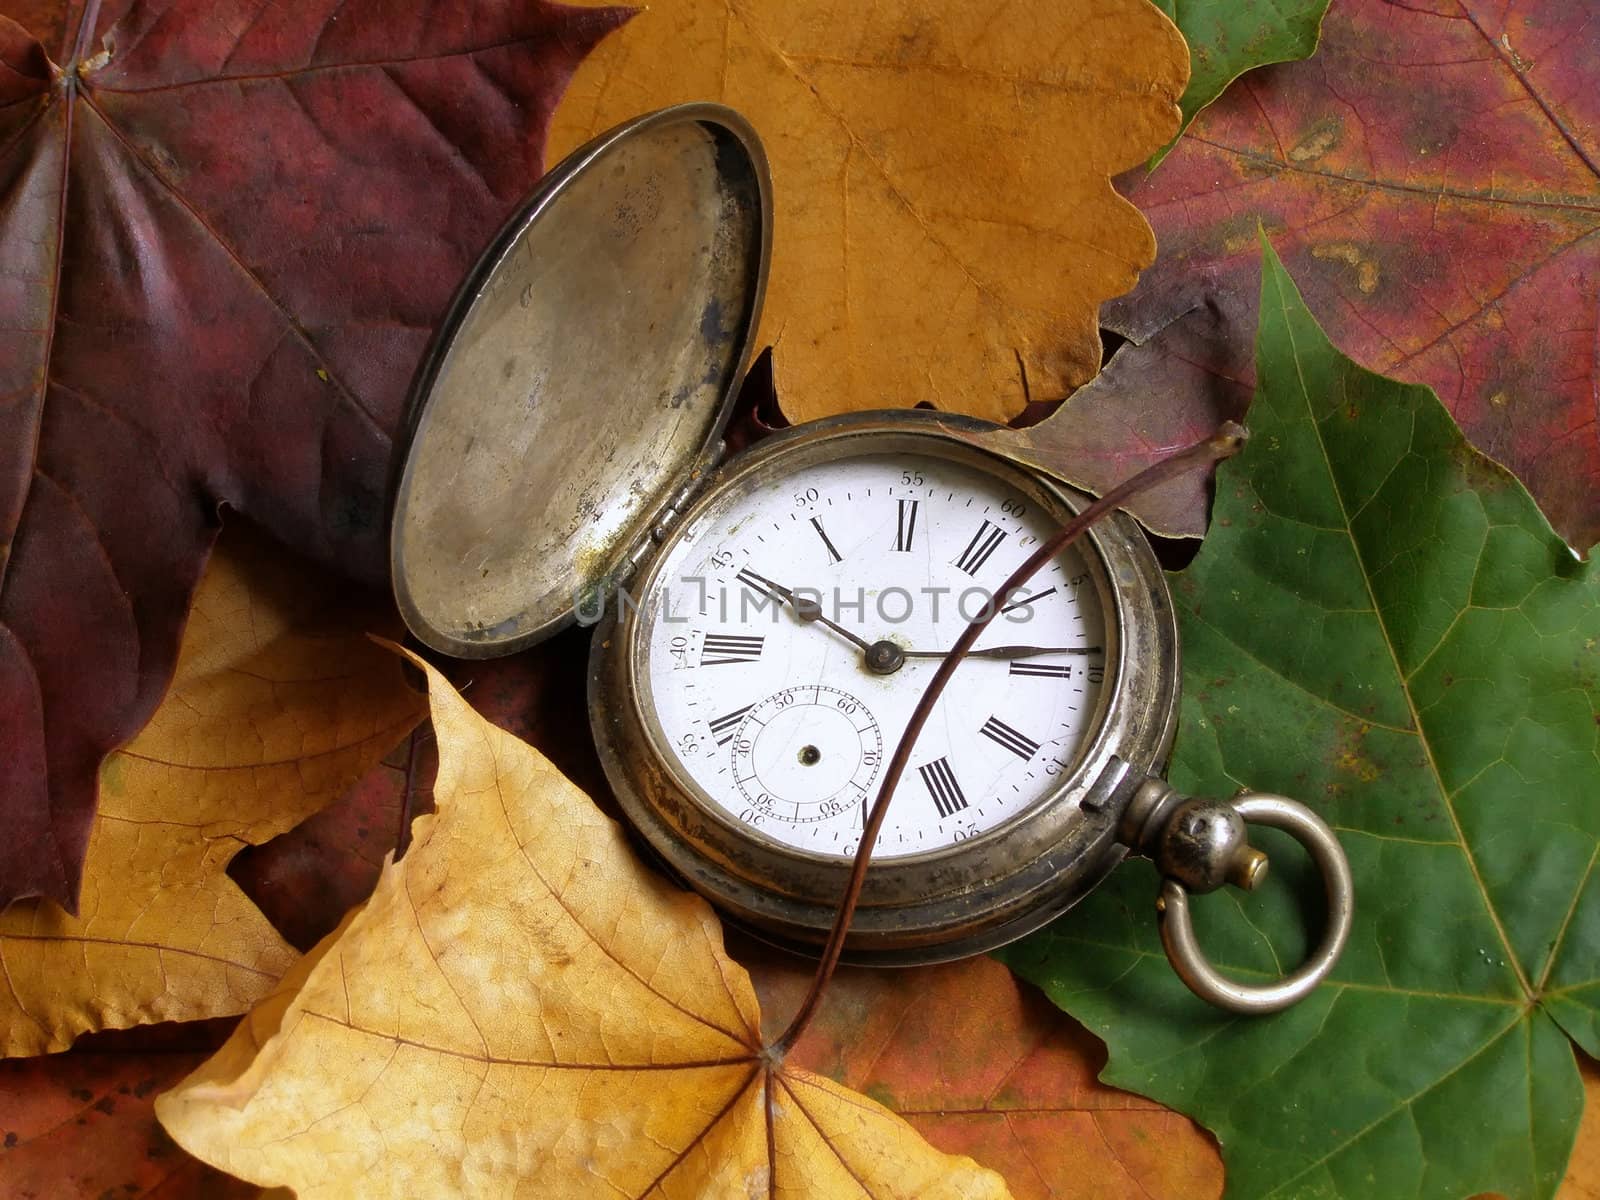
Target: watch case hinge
[672,511]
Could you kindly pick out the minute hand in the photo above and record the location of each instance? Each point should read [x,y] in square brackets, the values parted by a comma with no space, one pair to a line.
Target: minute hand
[1007,651]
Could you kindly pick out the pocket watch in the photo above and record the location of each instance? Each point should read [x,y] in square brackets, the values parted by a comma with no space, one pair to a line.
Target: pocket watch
[766,621]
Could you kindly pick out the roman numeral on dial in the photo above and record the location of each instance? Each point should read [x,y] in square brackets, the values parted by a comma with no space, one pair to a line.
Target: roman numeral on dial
[941,783]
[1019,744]
[1020,666]
[724,727]
[905,523]
[982,545]
[833,555]
[720,648]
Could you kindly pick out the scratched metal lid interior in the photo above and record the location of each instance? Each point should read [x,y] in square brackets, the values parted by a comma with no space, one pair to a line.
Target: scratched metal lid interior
[583,372]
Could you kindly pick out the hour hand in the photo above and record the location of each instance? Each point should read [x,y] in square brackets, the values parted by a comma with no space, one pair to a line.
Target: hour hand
[760,583]
[807,609]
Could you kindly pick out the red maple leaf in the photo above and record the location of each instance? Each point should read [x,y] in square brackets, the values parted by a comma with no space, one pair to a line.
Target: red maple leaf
[227,228]
[1431,179]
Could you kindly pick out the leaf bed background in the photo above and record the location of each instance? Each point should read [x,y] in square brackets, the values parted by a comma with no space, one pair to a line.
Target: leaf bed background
[304,880]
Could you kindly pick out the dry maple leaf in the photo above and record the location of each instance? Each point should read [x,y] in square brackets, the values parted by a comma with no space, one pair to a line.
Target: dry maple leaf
[945,225]
[226,231]
[1430,178]
[279,704]
[523,1008]
[981,1063]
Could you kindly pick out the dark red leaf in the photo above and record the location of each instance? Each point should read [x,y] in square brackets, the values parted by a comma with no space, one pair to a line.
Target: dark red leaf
[226,231]
[84,1124]
[1431,179]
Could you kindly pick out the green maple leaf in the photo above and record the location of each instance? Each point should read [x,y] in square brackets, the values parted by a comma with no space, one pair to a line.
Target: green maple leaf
[1382,624]
[1229,37]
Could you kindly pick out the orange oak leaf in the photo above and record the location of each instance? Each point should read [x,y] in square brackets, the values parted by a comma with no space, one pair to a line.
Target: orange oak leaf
[279,704]
[982,1064]
[945,225]
[521,1001]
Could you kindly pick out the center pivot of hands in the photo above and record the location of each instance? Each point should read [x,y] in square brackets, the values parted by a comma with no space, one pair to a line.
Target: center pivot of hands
[884,658]
[881,658]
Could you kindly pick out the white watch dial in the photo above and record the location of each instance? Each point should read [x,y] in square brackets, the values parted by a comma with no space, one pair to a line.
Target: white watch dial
[780,719]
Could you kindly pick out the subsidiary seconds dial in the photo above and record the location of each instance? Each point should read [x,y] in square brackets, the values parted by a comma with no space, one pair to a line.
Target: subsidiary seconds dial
[806,753]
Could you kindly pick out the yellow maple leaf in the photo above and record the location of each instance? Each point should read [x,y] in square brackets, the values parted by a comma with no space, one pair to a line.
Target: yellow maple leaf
[945,227]
[279,703]
[522,1008]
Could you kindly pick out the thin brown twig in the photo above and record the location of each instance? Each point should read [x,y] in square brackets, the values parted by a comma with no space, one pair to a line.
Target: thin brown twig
[1225,442]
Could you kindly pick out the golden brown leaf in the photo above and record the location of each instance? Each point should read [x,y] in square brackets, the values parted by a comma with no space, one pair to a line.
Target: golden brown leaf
[1583,1169]
[945,224]
[279,703]
[524,1009]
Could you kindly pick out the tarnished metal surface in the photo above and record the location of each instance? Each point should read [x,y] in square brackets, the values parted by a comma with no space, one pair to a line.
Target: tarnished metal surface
[1177,927]
[563,434]
[580,378]
[942,904]
[1197,841]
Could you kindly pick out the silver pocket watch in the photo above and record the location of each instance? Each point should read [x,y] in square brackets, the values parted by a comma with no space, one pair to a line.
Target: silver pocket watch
[767,620]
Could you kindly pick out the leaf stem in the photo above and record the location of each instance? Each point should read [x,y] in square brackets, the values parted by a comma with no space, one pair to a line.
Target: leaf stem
[1222,444]
[80,40]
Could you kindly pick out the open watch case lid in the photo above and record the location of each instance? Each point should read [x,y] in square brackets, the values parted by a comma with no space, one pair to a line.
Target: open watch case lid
[579,380]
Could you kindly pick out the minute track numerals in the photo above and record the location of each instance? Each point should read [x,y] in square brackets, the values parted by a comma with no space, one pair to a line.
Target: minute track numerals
[790,585]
